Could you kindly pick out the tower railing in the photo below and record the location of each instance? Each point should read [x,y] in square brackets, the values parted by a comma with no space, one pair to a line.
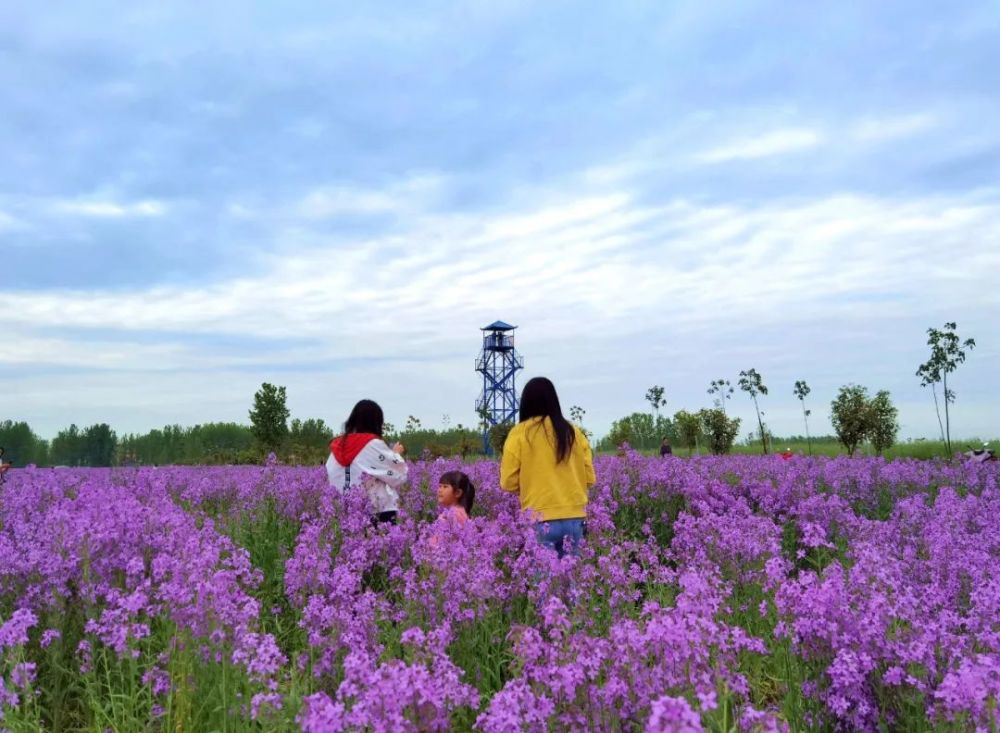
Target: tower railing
[498,341]
[517,361]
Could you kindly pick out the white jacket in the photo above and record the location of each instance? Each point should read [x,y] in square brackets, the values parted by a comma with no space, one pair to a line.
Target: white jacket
[377,469]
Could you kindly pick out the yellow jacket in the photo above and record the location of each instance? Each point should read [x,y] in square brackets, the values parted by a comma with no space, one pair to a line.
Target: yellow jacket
[552,490]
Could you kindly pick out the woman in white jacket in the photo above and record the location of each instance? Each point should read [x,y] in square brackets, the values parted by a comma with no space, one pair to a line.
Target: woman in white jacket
[360,457]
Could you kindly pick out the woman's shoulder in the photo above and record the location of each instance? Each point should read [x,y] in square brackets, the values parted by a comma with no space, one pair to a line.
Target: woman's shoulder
[378,445]
[520,429]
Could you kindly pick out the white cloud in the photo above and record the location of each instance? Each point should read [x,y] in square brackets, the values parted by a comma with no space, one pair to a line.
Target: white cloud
[326,202]
[882,129]
[8,223]
[604,287]
[603,255]
[109,209]
[329,201]
[776,142]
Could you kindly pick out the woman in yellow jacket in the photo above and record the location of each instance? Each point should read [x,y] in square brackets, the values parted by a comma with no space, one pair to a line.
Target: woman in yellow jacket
[548,463]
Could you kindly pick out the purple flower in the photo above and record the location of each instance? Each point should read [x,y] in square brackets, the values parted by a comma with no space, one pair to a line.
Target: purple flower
[673,715]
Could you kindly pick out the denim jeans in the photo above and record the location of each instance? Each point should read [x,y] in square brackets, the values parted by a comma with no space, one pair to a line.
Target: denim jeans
[554,533]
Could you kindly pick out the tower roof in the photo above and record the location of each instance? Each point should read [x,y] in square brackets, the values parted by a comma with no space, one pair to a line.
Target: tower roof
[499,326]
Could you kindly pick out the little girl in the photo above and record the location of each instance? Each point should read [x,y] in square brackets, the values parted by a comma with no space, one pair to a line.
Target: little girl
[456,495]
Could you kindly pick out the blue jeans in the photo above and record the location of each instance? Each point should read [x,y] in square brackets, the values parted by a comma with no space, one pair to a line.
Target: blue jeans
[554,533]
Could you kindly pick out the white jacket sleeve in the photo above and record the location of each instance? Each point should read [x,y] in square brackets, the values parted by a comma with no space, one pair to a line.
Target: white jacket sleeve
[335,473]
[379,461]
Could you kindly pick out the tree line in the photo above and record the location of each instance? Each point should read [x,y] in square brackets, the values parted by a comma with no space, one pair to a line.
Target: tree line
[856,418]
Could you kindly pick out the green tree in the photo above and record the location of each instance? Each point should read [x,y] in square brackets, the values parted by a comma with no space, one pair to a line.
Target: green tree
[99,442]
[688,427]
[269,417]
[624,430]
[218,442]
[883,425]
[752,383]
[576,415]
[654,396]
[802,391]
[309,440]
[22,445]
[849,415]
[498,436]
[68,448]
[723,390]
[640,430]
[719,429]
[468,444]
[947,352]
[485,418]
[412,424]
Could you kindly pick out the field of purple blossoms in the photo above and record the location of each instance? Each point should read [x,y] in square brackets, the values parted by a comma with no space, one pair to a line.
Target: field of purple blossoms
[723,594]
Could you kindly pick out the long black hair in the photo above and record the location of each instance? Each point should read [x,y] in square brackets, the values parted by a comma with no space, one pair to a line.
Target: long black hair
[366,417]
[461,482]
[539,399]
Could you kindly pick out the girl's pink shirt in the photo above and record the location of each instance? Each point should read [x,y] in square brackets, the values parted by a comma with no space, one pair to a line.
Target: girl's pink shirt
[456,514]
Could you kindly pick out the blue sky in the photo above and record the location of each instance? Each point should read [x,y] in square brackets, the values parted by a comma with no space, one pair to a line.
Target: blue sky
[196,198]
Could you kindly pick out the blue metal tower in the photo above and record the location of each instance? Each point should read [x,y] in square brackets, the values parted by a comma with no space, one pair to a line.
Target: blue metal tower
[498,362]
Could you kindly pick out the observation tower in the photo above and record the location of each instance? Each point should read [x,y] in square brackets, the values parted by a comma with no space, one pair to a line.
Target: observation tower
[499,363]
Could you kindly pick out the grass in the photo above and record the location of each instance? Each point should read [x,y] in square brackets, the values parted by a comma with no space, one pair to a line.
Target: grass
[829,447]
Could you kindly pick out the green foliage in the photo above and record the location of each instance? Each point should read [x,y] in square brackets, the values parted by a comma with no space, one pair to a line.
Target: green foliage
[640,430]
[801,392]
[270,537]
[22,446]
[654,395]
[688,428]
[883,425]
[67,448]
[720,430]
[857,418]
[849,415]
[309,441]
[947,352]
[753,384]
[211,443]
[830,446]
[99,445]
[456,441]
[93,446]
[723,391]
[498,436]
[659,513]
[269,417]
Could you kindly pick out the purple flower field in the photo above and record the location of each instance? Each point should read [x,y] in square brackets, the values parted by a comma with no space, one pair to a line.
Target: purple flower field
[729,593]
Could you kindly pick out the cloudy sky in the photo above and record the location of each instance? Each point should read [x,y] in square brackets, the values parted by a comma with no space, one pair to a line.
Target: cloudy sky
[199,197]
